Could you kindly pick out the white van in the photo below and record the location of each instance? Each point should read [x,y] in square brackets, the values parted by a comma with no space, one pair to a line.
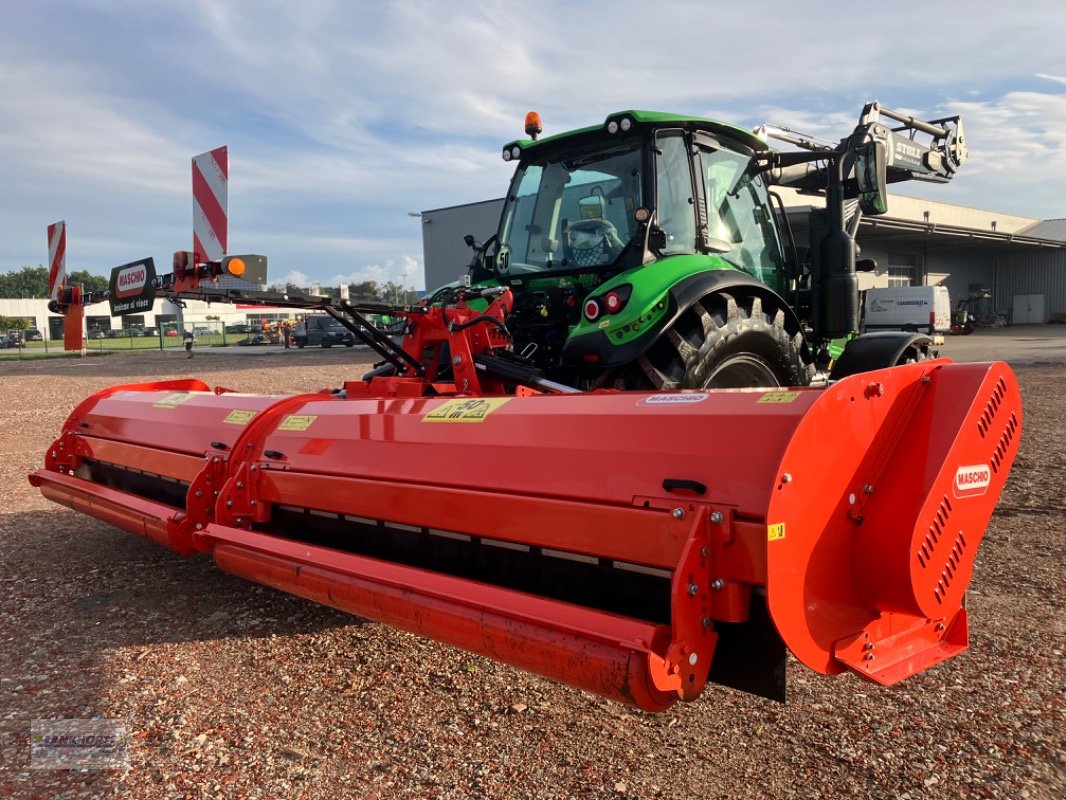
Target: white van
[925,309]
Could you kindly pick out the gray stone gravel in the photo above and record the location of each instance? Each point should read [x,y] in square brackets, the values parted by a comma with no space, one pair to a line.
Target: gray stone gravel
[233,690]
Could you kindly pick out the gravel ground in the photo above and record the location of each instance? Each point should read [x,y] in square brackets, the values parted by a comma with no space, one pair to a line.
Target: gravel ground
[232,690]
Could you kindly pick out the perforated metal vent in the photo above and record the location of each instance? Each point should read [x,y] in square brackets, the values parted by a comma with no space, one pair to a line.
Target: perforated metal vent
[1005,439]
[984,422]
[927,549]
[951,567]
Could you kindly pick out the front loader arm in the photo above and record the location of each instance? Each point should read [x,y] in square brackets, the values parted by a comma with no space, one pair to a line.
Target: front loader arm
[906,156]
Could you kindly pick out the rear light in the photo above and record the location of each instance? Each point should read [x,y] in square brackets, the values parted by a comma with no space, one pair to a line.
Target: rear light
[932,318]
[610,303]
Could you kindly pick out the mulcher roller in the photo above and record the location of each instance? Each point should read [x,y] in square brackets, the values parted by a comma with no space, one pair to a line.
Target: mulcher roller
[636,545]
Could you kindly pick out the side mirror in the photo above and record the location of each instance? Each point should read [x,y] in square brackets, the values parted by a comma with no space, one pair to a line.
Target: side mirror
[870,177]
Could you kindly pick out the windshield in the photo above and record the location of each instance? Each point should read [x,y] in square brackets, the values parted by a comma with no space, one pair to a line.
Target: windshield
[572,213]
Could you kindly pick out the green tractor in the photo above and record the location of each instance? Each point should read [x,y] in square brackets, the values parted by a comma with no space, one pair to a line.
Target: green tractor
[653,252]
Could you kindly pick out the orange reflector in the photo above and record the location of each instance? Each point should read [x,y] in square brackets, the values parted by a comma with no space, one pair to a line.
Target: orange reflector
[235,266]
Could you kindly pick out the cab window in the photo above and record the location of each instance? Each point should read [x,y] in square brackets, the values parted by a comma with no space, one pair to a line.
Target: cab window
[738,212]
[673,186]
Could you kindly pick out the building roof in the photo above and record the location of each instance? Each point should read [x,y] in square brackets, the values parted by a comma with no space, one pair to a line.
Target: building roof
[1048,229]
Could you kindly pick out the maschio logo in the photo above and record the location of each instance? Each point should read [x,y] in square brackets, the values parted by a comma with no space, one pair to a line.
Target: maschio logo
[972,481]
[673,399]
[131,280]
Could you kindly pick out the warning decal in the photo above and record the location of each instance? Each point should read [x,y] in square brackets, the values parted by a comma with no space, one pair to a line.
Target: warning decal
[239,417]
[172,400]
[297,422]
[779,397]
[775,532]
[473,409]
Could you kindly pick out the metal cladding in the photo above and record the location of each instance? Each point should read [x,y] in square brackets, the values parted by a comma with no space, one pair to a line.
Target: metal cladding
[853,512]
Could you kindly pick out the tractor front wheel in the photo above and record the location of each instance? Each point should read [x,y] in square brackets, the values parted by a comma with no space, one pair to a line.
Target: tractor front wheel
[724,342]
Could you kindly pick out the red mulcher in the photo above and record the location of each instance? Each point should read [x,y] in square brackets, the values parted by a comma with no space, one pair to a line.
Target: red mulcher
[633,544]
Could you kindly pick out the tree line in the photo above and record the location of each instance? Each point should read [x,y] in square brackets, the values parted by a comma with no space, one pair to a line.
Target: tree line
[33,282]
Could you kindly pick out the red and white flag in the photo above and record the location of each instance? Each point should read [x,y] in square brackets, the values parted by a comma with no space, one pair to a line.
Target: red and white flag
[210,181]
[57,257]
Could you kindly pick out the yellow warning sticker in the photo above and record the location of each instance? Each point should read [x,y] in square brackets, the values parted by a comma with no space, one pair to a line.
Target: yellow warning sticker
[779,397]
[297,422]
[239,417]
[473,409]
[775,532]
[172,400]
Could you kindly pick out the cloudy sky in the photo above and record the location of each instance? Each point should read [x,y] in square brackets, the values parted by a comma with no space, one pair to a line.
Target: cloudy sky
[341,117]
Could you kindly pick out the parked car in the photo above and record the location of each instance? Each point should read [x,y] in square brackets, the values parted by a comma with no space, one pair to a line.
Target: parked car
[239,327]
[172,332]
[32,335]
[134,332]
[322,330]
[151,330]
[95,333]
[114,333]
[202,330]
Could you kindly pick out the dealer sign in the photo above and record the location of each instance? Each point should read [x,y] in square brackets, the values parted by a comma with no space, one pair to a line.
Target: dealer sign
[132,287]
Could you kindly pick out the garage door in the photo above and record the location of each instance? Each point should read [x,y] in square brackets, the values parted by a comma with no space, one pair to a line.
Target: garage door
[1028,309]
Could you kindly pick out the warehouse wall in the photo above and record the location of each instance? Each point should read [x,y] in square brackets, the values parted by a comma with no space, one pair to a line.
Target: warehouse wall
[1032,271]
[444,253]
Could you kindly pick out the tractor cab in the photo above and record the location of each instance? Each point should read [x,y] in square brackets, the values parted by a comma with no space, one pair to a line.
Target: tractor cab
[638,189]
[601,225]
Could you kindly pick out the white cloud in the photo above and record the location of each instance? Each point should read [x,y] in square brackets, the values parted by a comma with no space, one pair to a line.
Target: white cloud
[294,277]
[343,117]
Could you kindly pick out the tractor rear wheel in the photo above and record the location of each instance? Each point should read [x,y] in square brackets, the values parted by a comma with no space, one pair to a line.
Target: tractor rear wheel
[723,342]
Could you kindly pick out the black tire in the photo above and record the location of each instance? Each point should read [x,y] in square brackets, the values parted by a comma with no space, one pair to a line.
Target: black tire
[723,342]
[326,345]
[881,350]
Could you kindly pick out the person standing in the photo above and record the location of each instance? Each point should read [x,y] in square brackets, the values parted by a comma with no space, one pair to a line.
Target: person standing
[187,340]
[285,333]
